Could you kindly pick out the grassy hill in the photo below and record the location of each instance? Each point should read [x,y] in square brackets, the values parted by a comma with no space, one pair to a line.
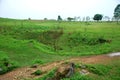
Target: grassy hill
[28,40]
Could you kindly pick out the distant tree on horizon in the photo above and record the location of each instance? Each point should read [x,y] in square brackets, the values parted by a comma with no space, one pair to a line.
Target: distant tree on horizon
[79,18]
[83,19]
[45,19]
[117,12]
[59,18]
[107,18]
[113,18]
[70,18]
[29,18]
[98,17]
[87,18]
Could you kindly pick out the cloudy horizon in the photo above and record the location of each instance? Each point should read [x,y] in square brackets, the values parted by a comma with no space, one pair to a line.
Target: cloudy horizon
[39,9]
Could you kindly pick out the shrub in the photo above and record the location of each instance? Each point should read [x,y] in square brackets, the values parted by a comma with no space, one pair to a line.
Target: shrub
[77,76]
[99,69]
[38,61]
[37,72]
[80,38]
[5,64]
[50,74]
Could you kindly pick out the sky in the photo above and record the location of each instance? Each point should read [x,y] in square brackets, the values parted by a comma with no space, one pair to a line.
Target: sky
[40,9]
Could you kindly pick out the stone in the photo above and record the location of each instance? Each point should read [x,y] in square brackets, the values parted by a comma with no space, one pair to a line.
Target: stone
[1,69]
[64,71]
[83,66]
[34,66]
[84,72]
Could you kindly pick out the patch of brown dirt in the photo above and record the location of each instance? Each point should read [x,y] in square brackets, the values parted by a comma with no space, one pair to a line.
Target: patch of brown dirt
[25,72]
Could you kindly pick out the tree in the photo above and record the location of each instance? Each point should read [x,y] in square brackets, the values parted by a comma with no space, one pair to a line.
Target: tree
[75,18]
[83,19]
[98,17]
[70,19]
[29,18]
[87,18]
[79,18]
[59,18]
[117,12]
[45,19]
[107,18]
[113,18]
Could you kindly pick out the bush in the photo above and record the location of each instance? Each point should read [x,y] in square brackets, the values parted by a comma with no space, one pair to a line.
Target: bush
[86,39]
[5,64]
[50,74]
[99,69]
[95,70]
[38,61]
[77,76]
[37,72]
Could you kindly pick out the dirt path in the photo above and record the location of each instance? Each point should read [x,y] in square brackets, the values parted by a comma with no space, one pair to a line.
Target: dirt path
[25,72]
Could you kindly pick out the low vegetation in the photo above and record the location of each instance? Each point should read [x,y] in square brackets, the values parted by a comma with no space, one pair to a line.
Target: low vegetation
[48,75]
[6,64]
[28,42]
[38,72]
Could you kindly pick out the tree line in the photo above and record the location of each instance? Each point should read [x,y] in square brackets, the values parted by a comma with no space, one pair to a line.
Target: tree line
[97,17]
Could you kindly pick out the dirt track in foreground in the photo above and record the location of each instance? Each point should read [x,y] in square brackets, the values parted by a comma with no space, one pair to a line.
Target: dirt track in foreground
[25,72]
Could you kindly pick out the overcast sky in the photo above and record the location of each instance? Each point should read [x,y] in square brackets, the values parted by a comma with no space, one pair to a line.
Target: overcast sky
[39,9]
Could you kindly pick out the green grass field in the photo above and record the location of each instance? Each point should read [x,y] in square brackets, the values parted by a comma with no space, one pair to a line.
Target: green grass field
[26,42]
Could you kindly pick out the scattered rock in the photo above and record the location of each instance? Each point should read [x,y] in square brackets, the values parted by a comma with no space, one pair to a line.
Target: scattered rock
[9,65]
[84,72]
[83,66]
[34,66]
[1,69]
[64,71]
[28,70]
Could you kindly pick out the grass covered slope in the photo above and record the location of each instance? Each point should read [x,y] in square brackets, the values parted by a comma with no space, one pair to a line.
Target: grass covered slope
[19,48]
[28,42]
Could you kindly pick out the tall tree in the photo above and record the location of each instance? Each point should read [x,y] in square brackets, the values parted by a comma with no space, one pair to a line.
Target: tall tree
[98,17]
[117,12]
